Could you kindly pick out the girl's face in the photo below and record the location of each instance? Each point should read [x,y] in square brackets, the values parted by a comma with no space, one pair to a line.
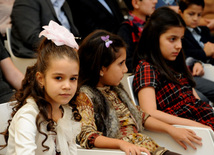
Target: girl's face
[170,42]
[113,74]
[60,80]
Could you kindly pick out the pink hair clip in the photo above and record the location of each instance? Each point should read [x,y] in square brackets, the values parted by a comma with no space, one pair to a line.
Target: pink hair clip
[107,41]
[59,35]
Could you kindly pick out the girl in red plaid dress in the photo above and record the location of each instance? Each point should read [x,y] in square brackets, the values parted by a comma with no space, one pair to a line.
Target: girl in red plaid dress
[162,81]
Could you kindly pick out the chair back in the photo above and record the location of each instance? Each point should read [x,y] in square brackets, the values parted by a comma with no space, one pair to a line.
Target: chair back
[20,63]
[130,86]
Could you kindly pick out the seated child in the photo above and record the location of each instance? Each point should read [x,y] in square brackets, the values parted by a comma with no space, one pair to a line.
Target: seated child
[197,42]
[162,81]
[130,30]
[109,117]
[45,121]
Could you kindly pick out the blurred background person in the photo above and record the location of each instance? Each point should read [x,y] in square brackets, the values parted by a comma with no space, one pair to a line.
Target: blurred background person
[28,17]
[90,15]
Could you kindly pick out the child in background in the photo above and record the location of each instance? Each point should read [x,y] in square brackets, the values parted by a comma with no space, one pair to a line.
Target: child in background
[109,117]
[197,42]
[44,119]
[130,30]
[162,82]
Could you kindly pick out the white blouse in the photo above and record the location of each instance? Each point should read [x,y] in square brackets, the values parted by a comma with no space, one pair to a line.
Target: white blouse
[24,138]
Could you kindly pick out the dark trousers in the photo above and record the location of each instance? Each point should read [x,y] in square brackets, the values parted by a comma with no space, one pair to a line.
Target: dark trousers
[204,88]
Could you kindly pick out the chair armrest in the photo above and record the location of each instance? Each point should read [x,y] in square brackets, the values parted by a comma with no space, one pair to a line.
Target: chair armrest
[167,141]
[100,151]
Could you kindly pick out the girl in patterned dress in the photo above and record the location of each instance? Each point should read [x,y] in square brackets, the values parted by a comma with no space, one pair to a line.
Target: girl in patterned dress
[109,117]
[45,121]
[162,82]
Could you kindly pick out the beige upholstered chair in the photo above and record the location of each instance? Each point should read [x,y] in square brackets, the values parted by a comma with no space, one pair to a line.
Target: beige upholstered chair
[20,63]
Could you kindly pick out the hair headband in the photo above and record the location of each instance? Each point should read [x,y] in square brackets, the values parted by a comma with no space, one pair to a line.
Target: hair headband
[59,35]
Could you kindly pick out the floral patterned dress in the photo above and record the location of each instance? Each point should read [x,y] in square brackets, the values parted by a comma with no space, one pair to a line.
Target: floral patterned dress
[127,131]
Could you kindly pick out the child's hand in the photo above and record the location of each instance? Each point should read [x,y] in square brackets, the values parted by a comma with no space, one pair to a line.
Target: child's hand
[131,149]
[210,23]
[197,69]
[209,49]
[183,136]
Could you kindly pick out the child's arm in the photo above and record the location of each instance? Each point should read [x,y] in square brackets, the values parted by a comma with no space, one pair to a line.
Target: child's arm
[210,23]
[11,73]
[160,121]
[128,148]
[147,101]
[180,135]
[207,22]
[23,132]
[197,69]
[209,49]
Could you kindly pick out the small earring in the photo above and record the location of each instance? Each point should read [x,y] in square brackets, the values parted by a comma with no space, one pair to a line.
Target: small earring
[41,86]
[101,74]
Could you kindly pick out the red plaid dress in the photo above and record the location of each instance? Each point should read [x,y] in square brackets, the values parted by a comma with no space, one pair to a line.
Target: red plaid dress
[173,98]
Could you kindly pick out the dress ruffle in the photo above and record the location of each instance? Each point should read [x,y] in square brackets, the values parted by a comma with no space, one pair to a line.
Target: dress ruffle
[67,129]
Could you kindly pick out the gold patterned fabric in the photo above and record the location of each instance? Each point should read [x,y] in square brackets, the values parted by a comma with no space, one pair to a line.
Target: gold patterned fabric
[128,128]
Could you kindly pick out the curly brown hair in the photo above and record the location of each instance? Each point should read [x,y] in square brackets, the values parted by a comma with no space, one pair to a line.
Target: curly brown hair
[30,87]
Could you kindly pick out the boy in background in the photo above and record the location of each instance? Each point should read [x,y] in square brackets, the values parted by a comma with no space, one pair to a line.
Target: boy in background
[197,44]
[130,30]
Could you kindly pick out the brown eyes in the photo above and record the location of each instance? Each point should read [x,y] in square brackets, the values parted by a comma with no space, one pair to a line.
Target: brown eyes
[58,78]
[73,78]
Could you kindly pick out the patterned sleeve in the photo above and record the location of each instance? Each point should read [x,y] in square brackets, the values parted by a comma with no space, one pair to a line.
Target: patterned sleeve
[89,131]
[143,114]
[144,77]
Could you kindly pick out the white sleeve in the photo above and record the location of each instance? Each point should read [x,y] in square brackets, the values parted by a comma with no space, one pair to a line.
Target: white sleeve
[25,131]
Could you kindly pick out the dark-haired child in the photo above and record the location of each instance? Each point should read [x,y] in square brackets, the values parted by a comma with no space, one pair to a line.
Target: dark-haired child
[162,81]
[197,42]
[131,29]
[44,119]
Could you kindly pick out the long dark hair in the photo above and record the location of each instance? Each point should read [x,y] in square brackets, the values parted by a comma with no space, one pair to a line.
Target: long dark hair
[148,47]
[94,54]
[30,86]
